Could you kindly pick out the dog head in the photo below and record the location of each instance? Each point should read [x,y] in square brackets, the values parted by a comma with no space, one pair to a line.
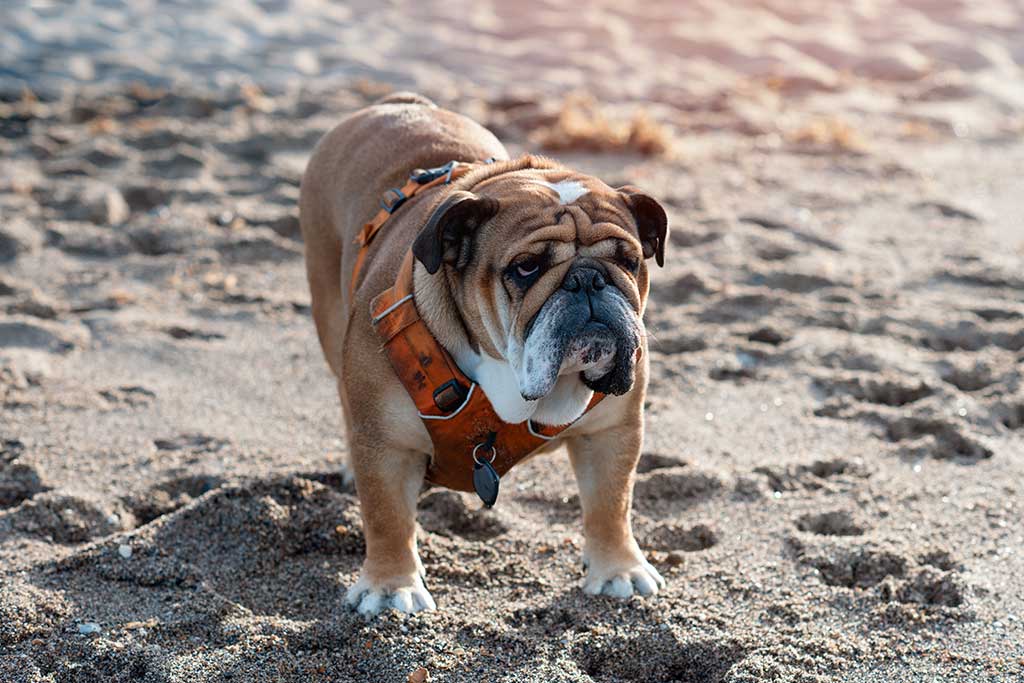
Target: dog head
[548,270]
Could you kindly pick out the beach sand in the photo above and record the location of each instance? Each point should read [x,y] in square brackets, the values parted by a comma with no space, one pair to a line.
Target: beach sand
[833,473]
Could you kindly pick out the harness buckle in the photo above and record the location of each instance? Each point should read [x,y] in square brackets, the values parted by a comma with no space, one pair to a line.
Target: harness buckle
[426,175]
[392,199]
[449,396]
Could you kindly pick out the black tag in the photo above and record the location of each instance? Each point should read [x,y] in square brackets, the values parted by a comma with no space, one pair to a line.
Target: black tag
[485,481]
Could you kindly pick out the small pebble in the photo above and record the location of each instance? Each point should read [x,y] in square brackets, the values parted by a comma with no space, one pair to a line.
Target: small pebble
[420,675]
[88,628]
[124,550]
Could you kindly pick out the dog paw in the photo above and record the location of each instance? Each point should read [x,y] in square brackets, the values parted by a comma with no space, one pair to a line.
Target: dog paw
[620,581]
[369,598]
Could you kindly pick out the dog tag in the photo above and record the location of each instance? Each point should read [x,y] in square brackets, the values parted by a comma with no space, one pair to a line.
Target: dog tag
[485,481]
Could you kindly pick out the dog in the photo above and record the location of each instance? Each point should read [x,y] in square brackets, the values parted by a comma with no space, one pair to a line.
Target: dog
[532,276]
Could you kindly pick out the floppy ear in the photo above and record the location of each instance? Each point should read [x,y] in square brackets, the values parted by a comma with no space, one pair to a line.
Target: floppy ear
[449,231]
[651,221]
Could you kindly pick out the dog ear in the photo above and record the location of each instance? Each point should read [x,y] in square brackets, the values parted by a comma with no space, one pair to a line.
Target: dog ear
[651,221]
[447,234]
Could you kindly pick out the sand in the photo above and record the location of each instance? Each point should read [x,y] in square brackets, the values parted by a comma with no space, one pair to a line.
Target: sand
[832,476]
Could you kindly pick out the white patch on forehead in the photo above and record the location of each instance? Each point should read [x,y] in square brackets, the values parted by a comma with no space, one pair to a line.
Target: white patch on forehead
[568,190]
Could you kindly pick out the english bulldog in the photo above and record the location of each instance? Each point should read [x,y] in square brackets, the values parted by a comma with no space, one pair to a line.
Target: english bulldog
[531,275]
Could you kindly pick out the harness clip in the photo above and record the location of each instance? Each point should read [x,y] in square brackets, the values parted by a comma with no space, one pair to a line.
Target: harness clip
[449,396]
[426,175]
[392,199]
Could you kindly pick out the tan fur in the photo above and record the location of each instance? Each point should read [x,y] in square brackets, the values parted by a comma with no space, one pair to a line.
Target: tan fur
[372,150]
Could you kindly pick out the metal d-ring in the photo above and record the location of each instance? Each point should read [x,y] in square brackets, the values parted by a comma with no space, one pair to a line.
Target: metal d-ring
[494,453]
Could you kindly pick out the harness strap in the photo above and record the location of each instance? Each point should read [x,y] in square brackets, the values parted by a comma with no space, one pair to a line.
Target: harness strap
[419,180]
[421,367]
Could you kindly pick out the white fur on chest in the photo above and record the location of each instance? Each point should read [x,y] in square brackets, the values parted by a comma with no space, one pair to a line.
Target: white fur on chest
[568,190]
[499,381]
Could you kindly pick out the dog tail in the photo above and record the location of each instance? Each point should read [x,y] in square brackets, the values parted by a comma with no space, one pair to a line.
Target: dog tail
[406,97]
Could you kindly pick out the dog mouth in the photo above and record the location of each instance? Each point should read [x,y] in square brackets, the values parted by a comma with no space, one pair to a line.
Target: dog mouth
[597,339]
[612,361]
[591,352]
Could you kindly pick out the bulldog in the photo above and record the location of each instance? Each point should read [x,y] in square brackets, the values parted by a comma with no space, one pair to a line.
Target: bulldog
[532,276]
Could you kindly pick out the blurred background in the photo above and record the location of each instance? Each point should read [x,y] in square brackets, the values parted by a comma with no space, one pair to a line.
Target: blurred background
[666,52]
[831,481]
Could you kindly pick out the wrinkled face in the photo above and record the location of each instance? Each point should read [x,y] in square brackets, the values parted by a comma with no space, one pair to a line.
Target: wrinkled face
[549,271]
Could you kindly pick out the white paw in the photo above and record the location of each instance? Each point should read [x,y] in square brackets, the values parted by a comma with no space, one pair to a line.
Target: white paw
[619,582]
[369,599]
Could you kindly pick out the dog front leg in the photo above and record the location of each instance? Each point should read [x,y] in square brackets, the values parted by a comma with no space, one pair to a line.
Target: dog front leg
[388,484]
[604,463]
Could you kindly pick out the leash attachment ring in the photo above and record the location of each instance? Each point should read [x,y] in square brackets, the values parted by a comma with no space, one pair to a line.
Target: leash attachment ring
[485,478]
[494,454]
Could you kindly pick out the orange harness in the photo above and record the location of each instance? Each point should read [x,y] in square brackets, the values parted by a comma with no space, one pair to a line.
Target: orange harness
[473,447]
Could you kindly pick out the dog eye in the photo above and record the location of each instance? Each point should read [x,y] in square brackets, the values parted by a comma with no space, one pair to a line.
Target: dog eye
[527,268]
[523,272]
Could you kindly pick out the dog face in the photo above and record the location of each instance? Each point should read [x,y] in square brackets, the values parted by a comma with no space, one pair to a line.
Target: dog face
[548,271]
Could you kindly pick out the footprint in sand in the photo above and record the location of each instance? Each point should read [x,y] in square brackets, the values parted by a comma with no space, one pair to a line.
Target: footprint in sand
[1010,414]
[179,164]
[18,481]
[180,332]
[676,485]
[857,565]
[448,514]
[680,343]
[657,461]
[937,438]
[131,396]
[658,656]
[45,335]
[968,335]
[768,334]
[198,443]
[967,376]
[85,239]
[670,536]
[17,237]
[66,519]
[832,523]
[145,198]
[169,496]
[994,314]
[830,474]
[793,281]
[742,308]
[894,576]
[873,388]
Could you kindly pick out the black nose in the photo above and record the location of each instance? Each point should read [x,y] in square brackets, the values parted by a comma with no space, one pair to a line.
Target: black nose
[589,280]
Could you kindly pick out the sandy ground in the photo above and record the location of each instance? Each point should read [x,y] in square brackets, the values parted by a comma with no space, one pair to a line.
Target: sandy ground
[832,479]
